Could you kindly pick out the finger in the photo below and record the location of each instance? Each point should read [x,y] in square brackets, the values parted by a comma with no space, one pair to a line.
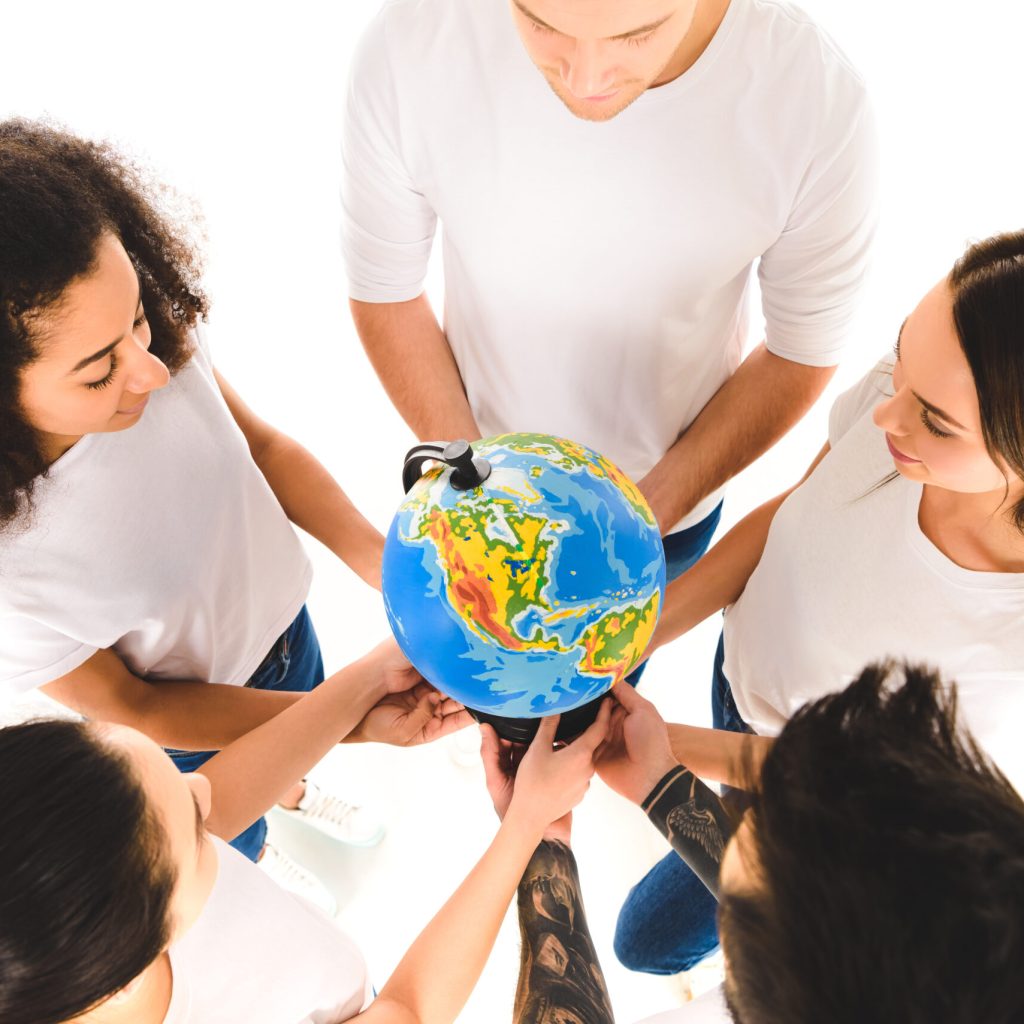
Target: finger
[455,722]
[490,751]
[545,737]
[627,696]
[597,730]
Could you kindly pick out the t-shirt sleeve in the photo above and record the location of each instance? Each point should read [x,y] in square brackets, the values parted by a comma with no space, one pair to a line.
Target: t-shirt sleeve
[811,277]
[387,223]
[34,654]
[853,403]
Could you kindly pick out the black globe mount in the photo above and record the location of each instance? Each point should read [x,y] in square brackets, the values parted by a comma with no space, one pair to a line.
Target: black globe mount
[468,471]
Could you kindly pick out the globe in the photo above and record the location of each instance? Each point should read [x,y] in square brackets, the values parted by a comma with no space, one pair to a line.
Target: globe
[532,593]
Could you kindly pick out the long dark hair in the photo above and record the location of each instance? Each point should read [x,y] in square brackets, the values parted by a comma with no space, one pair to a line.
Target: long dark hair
[988,310]
[886,856]
[85,897]
[58,195]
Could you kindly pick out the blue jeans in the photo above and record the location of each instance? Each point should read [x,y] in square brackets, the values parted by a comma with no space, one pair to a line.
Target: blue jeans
[668,922]
[292,664]
[682,549]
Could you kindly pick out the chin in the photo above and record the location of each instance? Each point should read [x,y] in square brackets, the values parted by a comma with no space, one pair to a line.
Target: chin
[596,112]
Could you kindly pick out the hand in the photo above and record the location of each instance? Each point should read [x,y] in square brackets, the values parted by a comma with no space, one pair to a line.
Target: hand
[638,752]
[417,715]
[549,783]
[393,671]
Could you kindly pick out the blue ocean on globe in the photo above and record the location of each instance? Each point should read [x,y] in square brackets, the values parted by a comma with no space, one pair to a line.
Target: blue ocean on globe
[532,593]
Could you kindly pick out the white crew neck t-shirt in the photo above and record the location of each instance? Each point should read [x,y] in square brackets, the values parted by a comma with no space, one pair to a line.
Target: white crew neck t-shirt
[261,955]
[597,275]
[847,578]
[709,1008]
[163,541]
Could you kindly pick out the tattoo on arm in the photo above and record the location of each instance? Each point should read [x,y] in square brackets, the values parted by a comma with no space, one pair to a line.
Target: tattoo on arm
[560,979]
[694,821]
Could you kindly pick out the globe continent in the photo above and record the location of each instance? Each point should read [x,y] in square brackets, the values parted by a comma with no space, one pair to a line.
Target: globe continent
[533,593]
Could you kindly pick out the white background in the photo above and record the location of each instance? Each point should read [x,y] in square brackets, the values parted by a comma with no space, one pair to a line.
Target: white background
[238,106]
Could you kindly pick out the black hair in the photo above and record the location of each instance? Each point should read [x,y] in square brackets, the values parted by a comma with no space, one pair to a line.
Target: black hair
[887,861]
[988,311]
[59,195]
[87,882]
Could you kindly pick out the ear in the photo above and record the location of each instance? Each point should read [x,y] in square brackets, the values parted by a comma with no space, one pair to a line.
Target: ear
[201,790]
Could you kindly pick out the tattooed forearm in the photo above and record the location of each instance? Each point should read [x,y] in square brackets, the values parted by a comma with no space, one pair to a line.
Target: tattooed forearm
[693,820]
[560,979]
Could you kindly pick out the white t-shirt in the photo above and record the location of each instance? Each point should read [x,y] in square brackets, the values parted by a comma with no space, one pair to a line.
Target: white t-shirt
[710,1008]
[261,955]
[163,541]
[597,275]
[847,577]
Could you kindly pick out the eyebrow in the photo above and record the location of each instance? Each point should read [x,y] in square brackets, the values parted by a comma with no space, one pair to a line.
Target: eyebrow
[933,409]
[97,356]
[641,31]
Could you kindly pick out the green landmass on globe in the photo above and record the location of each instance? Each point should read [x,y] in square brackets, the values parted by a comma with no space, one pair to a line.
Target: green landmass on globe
[533,592]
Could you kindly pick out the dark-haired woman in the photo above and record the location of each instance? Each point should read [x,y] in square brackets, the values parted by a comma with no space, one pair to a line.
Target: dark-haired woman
[905,539]
[121,903]
[150,575]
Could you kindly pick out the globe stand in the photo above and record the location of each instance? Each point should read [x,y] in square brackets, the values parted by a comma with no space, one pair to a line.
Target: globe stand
[522,730]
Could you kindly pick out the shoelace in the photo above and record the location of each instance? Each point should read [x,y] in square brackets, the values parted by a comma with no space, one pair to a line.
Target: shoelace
[289,869]
[330,808]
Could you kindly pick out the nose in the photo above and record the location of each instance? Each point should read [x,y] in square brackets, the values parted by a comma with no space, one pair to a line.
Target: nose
[145,371]
[892,414]
[586,71]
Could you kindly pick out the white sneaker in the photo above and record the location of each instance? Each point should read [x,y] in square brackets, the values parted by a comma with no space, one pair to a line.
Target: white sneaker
[345,822]
[464,747]
[295,878]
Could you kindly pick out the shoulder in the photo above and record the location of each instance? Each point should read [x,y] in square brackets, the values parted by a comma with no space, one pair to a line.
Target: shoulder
[857,401]
[794,58]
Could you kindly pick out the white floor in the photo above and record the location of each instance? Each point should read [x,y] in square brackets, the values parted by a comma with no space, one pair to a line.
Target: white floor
[440,820]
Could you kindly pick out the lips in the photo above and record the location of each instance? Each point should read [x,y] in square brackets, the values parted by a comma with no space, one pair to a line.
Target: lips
[135,409]
[898,455]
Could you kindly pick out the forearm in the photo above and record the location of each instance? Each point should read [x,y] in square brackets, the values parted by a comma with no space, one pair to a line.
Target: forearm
[412,358]
[560,976]
[694,821]
[762,400]
[731,758]
[717,579]
[314,501]
[250,774]
[437,974]
[186,715]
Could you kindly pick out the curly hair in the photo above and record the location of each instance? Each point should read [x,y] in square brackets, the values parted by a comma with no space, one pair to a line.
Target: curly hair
[59,195]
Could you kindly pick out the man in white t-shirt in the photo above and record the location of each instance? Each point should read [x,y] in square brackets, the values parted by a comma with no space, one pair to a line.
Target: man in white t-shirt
[599,242]
[878,874]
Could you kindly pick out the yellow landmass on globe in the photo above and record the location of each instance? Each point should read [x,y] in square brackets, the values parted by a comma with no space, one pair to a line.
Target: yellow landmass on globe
[615,643]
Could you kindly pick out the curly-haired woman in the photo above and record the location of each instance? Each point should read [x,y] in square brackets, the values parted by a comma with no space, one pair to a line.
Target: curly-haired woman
[150,575]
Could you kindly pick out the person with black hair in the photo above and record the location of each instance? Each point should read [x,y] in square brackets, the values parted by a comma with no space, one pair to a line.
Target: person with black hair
[877,873]
[122,902]
[904,539]
[151,574]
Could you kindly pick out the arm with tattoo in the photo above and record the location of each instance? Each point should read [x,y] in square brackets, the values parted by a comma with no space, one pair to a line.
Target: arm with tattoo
[694,821]
[560,978]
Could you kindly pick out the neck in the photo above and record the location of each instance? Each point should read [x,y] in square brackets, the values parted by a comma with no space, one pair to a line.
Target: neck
[146,1003]
[707,17]
[977,531]
[55,445]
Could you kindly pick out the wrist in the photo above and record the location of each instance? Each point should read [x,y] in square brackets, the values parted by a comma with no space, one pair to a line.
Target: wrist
[522,822]
[558,833]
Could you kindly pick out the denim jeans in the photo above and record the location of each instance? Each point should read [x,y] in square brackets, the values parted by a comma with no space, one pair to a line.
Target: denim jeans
[293,664]
[668,921]
[682,549]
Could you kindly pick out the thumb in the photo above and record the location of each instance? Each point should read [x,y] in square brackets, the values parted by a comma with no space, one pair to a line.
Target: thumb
[545,738]
[628,697]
